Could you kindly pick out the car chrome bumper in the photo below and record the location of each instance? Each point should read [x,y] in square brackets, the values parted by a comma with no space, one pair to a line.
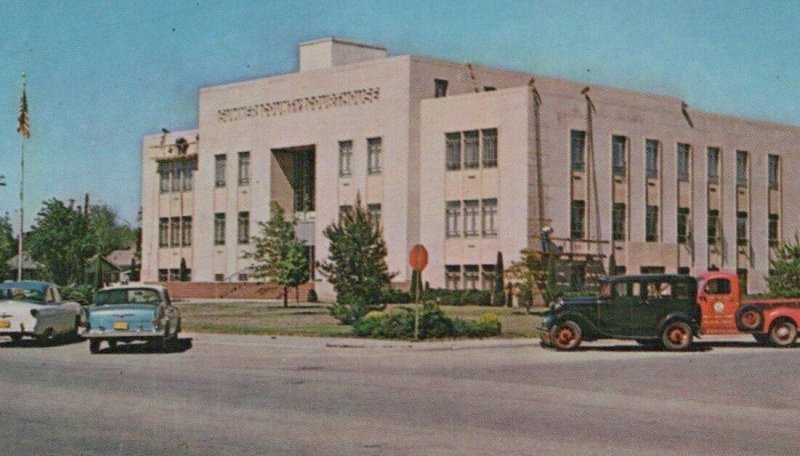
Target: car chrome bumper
[95,334]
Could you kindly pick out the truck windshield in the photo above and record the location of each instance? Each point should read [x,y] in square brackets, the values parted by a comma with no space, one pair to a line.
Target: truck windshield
[126,296]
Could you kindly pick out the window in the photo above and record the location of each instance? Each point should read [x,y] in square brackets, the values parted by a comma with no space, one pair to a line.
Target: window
[470,276]
[219,170]
[488,217]
[488,276]
[773,172]
[453,212]
[618,221]
[741,168]
[684,160]
[471,149]
[186,231]
[453,151]
[188,174]
[374,211]
[177,176]
[219,229]
[489,137]
[741,228]
[163,232]
[244,168]
[773,229]
[175,231]
[471,208]
[713,165]
[219,277]
[345,158]
[624,289]
[439,88]
[452,275]
[577,146]
[244,227]
[163,275]
[718,287]
[576,222]
[344,210]
[713,226]
[374,155]
[242,277]
[651,224]
[489,88]
[683,270]
[164,171]
[651,149]
[618,154]
[652,270]
[683,225]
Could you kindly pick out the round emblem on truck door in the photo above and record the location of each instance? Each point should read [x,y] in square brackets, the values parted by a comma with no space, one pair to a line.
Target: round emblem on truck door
[719,307]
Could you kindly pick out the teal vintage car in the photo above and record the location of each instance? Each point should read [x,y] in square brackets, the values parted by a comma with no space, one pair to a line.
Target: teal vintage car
[131,313]
[652,309]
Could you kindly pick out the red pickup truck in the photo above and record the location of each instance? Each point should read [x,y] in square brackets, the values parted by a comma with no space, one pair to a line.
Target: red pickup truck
[770,321]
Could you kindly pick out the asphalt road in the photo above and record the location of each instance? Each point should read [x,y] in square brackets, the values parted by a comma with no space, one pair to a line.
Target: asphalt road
[245,395]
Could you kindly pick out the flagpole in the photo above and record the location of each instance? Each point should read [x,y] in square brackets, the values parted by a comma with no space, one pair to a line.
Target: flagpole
[23,128]
[21,210]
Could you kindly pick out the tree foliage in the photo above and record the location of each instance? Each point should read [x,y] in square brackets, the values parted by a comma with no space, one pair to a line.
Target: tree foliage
[8,248]
[784,277]
[65,239]
[356,265]
[534,276]
[278,255]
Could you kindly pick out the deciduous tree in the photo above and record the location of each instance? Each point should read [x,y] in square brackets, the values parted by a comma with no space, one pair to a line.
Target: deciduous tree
[784,277]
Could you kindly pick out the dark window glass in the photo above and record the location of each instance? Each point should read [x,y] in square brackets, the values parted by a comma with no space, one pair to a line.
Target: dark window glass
[684,161]
[741,228]
[577,217]
[618,222]
[713,165]
[773,172]
[618,144]
[471,156]
[577,147]
[452,151]
[774,230]
[219,229]
[713,226]
[741,168]
[651,224]
[651,147]
[683,224]
[439,88]
[489,143]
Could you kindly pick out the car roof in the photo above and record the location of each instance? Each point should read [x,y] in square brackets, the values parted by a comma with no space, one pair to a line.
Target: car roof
[134,286]
[650,278]
[26,284]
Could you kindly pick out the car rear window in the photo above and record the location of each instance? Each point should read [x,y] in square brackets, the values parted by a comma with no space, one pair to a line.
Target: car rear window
[22,294]
[126,296]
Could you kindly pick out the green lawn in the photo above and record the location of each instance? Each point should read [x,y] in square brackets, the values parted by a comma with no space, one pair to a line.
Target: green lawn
[311,319]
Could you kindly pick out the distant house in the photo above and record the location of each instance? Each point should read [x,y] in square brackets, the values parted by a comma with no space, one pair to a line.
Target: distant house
[125,261]
[31,270]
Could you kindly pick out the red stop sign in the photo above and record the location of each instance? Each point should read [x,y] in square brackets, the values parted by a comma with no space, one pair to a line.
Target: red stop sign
[418,257]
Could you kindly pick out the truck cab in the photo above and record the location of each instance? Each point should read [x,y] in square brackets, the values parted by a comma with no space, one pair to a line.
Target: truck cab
[719,298]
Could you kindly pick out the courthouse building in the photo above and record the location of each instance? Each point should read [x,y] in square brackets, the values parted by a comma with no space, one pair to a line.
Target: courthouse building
[468,161]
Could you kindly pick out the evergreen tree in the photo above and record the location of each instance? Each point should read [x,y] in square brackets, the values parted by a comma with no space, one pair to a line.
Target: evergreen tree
[356,265]
[8,248]
[534,275]
[278,255]
[498,293]
[784,277]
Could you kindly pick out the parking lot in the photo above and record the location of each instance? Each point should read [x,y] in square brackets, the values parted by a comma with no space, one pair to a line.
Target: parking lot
[220,394]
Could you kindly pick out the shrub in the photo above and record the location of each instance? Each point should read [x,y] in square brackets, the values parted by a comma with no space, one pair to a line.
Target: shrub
[312,296]
[351,308]
[433,324]
[457,297]
[82,294]
[392,296]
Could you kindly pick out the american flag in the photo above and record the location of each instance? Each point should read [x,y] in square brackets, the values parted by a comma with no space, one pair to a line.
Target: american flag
[23,126]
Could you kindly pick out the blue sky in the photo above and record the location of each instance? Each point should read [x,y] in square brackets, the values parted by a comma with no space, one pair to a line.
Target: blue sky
[102,74]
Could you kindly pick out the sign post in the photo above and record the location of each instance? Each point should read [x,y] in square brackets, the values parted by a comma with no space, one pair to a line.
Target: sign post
[418,259]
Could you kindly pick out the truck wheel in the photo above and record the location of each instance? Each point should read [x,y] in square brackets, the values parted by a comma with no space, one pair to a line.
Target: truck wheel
[677,335]
[783,333]
[566,335]
[762,339]
[750,318]
[94,346]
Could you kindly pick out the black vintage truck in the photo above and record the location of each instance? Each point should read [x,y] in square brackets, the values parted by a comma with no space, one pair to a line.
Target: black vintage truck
[653,309]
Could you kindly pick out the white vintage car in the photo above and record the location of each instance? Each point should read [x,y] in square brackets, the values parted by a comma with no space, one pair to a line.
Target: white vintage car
[35,309]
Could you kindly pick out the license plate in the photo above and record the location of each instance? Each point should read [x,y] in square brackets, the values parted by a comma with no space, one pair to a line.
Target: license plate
[5,323]
[121,325]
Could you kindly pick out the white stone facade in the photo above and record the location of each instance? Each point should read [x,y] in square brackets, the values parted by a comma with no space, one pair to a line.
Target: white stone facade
[385,112]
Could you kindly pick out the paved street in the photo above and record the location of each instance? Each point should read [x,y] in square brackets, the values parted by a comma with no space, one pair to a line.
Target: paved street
[247,395]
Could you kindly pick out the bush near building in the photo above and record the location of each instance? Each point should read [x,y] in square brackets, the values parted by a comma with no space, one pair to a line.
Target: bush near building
[433,324]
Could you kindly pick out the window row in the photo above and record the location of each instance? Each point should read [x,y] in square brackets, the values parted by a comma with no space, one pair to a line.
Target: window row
[470,277]
[221,163]
[684,234]
[374,151]
[471,149]
[173,275]
[471,218]
[176,175]
[175,231]
[683,152]
[243,228]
